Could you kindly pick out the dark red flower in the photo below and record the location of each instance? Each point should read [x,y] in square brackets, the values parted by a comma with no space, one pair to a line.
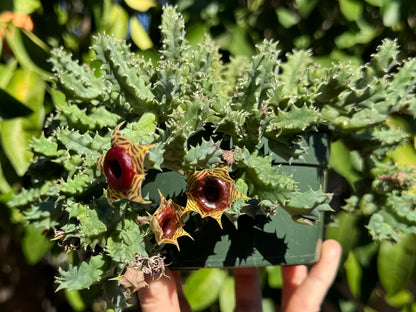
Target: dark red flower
[167,222]
[123,167]
[211,192]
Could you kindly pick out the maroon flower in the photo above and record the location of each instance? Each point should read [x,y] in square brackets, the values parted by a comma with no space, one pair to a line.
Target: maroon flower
[123,167]
[167,222]
[211,192]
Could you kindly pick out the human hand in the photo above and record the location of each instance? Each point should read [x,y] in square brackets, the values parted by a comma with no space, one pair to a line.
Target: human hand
[302,290]
[305,291]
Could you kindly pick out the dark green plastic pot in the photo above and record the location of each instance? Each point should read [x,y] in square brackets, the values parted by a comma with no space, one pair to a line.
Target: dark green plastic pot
[263,241]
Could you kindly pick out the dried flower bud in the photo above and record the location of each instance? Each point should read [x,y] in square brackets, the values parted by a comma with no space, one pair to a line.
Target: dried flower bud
[132,280]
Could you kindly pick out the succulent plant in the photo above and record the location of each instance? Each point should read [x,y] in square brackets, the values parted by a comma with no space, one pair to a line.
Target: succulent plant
[108,173]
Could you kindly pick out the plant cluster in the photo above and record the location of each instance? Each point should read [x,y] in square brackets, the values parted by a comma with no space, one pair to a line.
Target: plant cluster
[107,176]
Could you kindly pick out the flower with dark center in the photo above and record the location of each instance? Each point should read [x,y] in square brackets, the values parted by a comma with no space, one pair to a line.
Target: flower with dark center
[124,169]
[167,222]
[211,192]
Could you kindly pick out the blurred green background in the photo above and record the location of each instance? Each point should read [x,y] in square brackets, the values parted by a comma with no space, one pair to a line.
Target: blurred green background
[373,276]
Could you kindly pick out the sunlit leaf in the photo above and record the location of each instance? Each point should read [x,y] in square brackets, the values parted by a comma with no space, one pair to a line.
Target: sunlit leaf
[395,263]
[75,300]
[141,5]
[202,287]
[351,9]
[227,295]
[274,276]
[26,6]
[391,13]
[11,107]
[17,45]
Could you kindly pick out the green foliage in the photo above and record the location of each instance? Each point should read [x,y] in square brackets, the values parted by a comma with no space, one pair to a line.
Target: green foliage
[193,106]
[352,28]
[85,275]
[203,286]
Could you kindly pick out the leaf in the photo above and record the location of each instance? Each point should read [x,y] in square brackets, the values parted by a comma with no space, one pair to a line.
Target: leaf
[351,9]
[75,300]
[74,80]
[266,180]
[354,273]
[227,295]
[141,5]
[345,230]
[294,69]
[142,131]
[84,275]
[11,107]
[274,277]
[123,245]
[341,161]
[204,155]
[383,225]
[34,244]
[305,7]
[286,17]
[400,299]
[202,287]
[139,35]
[294,120]
[26,6]
[125,74]
[391,13]
[16,43]
[45,146]
[306,207]
[395,263]
[114,20]
[15,142]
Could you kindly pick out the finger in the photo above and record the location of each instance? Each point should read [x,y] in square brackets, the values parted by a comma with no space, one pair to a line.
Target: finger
[310,294]
[292,277]
[183,303]
[161,294]
[247,289]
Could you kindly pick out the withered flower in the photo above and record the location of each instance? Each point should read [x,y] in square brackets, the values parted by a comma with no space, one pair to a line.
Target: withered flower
[132,280]
[211,192]
[167,222]
[123,167]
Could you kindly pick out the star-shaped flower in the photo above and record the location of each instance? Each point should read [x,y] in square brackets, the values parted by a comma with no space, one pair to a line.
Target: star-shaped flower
[123,167]
[167,222]
[211,192]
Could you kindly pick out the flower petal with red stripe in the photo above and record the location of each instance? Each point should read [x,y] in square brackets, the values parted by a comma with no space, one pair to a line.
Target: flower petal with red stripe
[167,222]
[123,165]
[211,192]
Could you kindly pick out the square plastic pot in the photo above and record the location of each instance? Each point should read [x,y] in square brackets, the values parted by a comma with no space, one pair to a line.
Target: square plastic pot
[260,241]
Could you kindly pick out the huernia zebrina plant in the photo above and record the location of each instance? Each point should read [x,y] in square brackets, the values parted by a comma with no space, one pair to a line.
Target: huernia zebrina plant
[124,125]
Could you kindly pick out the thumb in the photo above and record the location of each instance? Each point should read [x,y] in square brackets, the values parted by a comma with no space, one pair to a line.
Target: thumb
[161,294]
